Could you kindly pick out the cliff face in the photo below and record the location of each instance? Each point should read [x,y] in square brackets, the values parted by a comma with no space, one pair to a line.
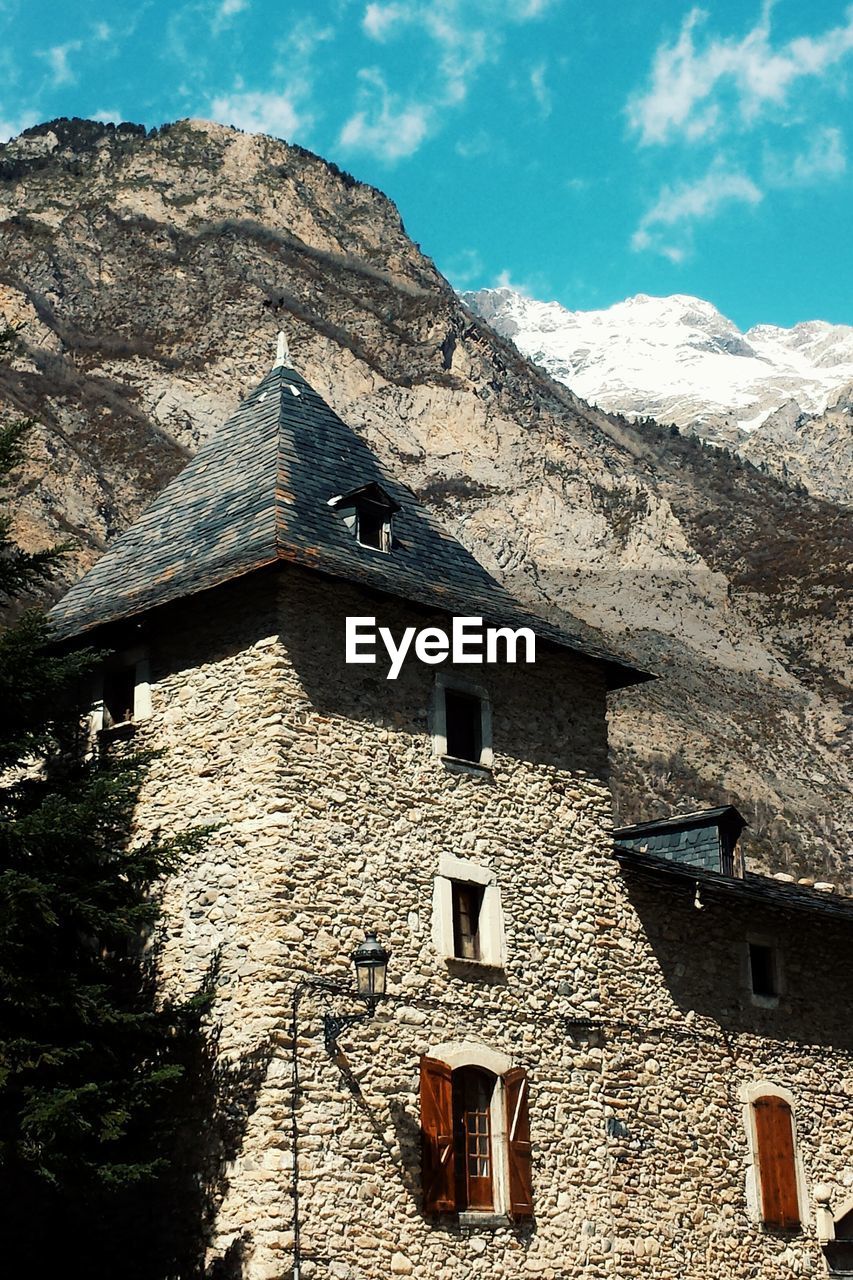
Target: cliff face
[149,275]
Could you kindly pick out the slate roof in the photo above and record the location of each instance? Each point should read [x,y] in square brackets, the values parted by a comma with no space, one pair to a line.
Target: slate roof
[258,492]
[749,889]
[725,814]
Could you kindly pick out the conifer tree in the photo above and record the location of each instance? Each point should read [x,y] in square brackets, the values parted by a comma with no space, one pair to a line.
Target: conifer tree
[93,1061]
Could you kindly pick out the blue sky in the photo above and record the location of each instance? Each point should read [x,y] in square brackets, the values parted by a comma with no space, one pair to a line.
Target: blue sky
[581,151]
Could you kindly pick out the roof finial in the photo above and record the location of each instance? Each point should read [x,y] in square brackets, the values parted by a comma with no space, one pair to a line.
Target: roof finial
[282,351]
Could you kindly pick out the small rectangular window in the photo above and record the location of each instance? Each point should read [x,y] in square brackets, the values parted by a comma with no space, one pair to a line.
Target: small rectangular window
[464,725]
[762,969]
[374,528]
[467,903]
[119,695]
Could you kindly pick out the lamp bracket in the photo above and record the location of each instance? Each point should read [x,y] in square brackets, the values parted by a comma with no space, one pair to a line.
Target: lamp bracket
[336,1023]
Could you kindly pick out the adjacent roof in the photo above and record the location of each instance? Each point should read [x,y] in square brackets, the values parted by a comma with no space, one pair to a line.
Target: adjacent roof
[703,839]
[258,492]
[751,889]
[724,814]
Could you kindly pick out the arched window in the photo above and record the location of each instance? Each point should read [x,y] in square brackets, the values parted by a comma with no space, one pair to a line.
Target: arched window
[475,1130]
[775,1160]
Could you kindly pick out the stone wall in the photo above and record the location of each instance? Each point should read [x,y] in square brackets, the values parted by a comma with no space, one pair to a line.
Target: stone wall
[686,1039]
[332,813]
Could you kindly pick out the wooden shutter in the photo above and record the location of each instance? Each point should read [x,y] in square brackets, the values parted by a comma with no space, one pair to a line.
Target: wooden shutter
[777,1166]
[520,1152]
[437,1157]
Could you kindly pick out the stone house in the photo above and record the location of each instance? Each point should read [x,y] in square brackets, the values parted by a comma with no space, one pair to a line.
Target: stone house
[586,1063]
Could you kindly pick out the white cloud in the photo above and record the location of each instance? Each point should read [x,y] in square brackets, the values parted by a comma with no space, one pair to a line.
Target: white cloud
[295,53]
[286,111]
[225,11]
[524,10]
[540,90]
[257,112]
[380,20]
[464,268]
[504,280]
[687,91]
[464,50]
[667,227]
[10,127]
[57,60]
[461,38]
[475,145]
[822,157]
[385,125]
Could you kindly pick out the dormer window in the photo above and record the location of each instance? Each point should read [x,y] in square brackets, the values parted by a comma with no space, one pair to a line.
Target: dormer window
[373,528]
[368,512]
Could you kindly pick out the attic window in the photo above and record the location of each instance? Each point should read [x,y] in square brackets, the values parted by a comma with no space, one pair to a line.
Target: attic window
[462,723]
[368,513]
[373,528]
[119,696]
[762,968]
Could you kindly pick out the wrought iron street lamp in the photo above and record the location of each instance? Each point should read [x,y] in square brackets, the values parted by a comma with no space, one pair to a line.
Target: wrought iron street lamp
[371,966]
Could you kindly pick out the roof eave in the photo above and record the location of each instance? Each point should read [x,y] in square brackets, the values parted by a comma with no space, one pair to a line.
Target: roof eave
[619,675]
[774,894]
[702,817]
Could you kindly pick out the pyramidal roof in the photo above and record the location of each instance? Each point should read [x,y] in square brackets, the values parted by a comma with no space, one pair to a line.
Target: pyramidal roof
[262,490]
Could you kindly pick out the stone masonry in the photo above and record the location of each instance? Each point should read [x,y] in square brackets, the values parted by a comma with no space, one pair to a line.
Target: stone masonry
[628,1010]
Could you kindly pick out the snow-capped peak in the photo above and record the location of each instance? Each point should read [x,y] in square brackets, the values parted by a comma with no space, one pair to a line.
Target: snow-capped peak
[676,358]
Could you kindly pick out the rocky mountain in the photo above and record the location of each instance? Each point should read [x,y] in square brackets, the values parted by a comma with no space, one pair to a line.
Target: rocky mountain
[147,276]
[781,397]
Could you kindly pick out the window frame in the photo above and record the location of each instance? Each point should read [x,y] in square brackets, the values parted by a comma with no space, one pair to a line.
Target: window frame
[137,660]
[467,901]
[452,1057]
[492,935]
[370,499]
[459,1078]
[457,684]
[837,1249]
[771,943]
[381,518]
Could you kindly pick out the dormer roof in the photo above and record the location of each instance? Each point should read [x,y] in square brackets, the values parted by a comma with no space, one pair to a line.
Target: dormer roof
[372,494]
[258,492]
